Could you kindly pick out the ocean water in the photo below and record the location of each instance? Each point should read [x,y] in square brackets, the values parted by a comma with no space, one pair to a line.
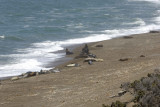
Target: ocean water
[32,30]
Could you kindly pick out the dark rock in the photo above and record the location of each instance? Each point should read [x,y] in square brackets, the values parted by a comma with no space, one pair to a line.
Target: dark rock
[154,31]
[127,37]
[124,59]
[157,70]
[99,45]
[142,56]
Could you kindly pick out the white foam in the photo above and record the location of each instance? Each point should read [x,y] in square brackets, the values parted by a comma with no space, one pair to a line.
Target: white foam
[75,26]
[109,34]
[26,26]
[157,19]
[31,59]
[138,21]
[39,54]
[23,66]
[2,37]
[88,31]
[153,1]
[29,18]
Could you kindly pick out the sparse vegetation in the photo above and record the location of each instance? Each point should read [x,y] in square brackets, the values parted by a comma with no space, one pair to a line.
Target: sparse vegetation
[146,91]
[116,104]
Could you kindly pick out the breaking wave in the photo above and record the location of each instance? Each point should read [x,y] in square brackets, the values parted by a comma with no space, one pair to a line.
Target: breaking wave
[2,37]
[39,54]
[153,1]
[138,21]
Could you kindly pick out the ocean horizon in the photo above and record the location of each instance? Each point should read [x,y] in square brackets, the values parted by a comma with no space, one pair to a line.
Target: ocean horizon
[31,32]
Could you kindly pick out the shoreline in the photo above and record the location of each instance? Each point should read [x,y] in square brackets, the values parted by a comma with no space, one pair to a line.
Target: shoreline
[88,85]
[64,59]
[55,63]
[60,61]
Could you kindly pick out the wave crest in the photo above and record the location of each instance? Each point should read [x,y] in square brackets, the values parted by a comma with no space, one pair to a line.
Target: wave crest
[153,1]
[2,37]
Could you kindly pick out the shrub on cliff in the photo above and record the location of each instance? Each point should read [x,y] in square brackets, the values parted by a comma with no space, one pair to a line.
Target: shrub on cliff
[146,91]
[116,104]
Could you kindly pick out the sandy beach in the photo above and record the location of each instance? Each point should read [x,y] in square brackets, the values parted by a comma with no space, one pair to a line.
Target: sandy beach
[88,85]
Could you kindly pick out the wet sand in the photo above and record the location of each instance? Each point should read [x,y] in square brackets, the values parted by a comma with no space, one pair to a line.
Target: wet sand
[87,85]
